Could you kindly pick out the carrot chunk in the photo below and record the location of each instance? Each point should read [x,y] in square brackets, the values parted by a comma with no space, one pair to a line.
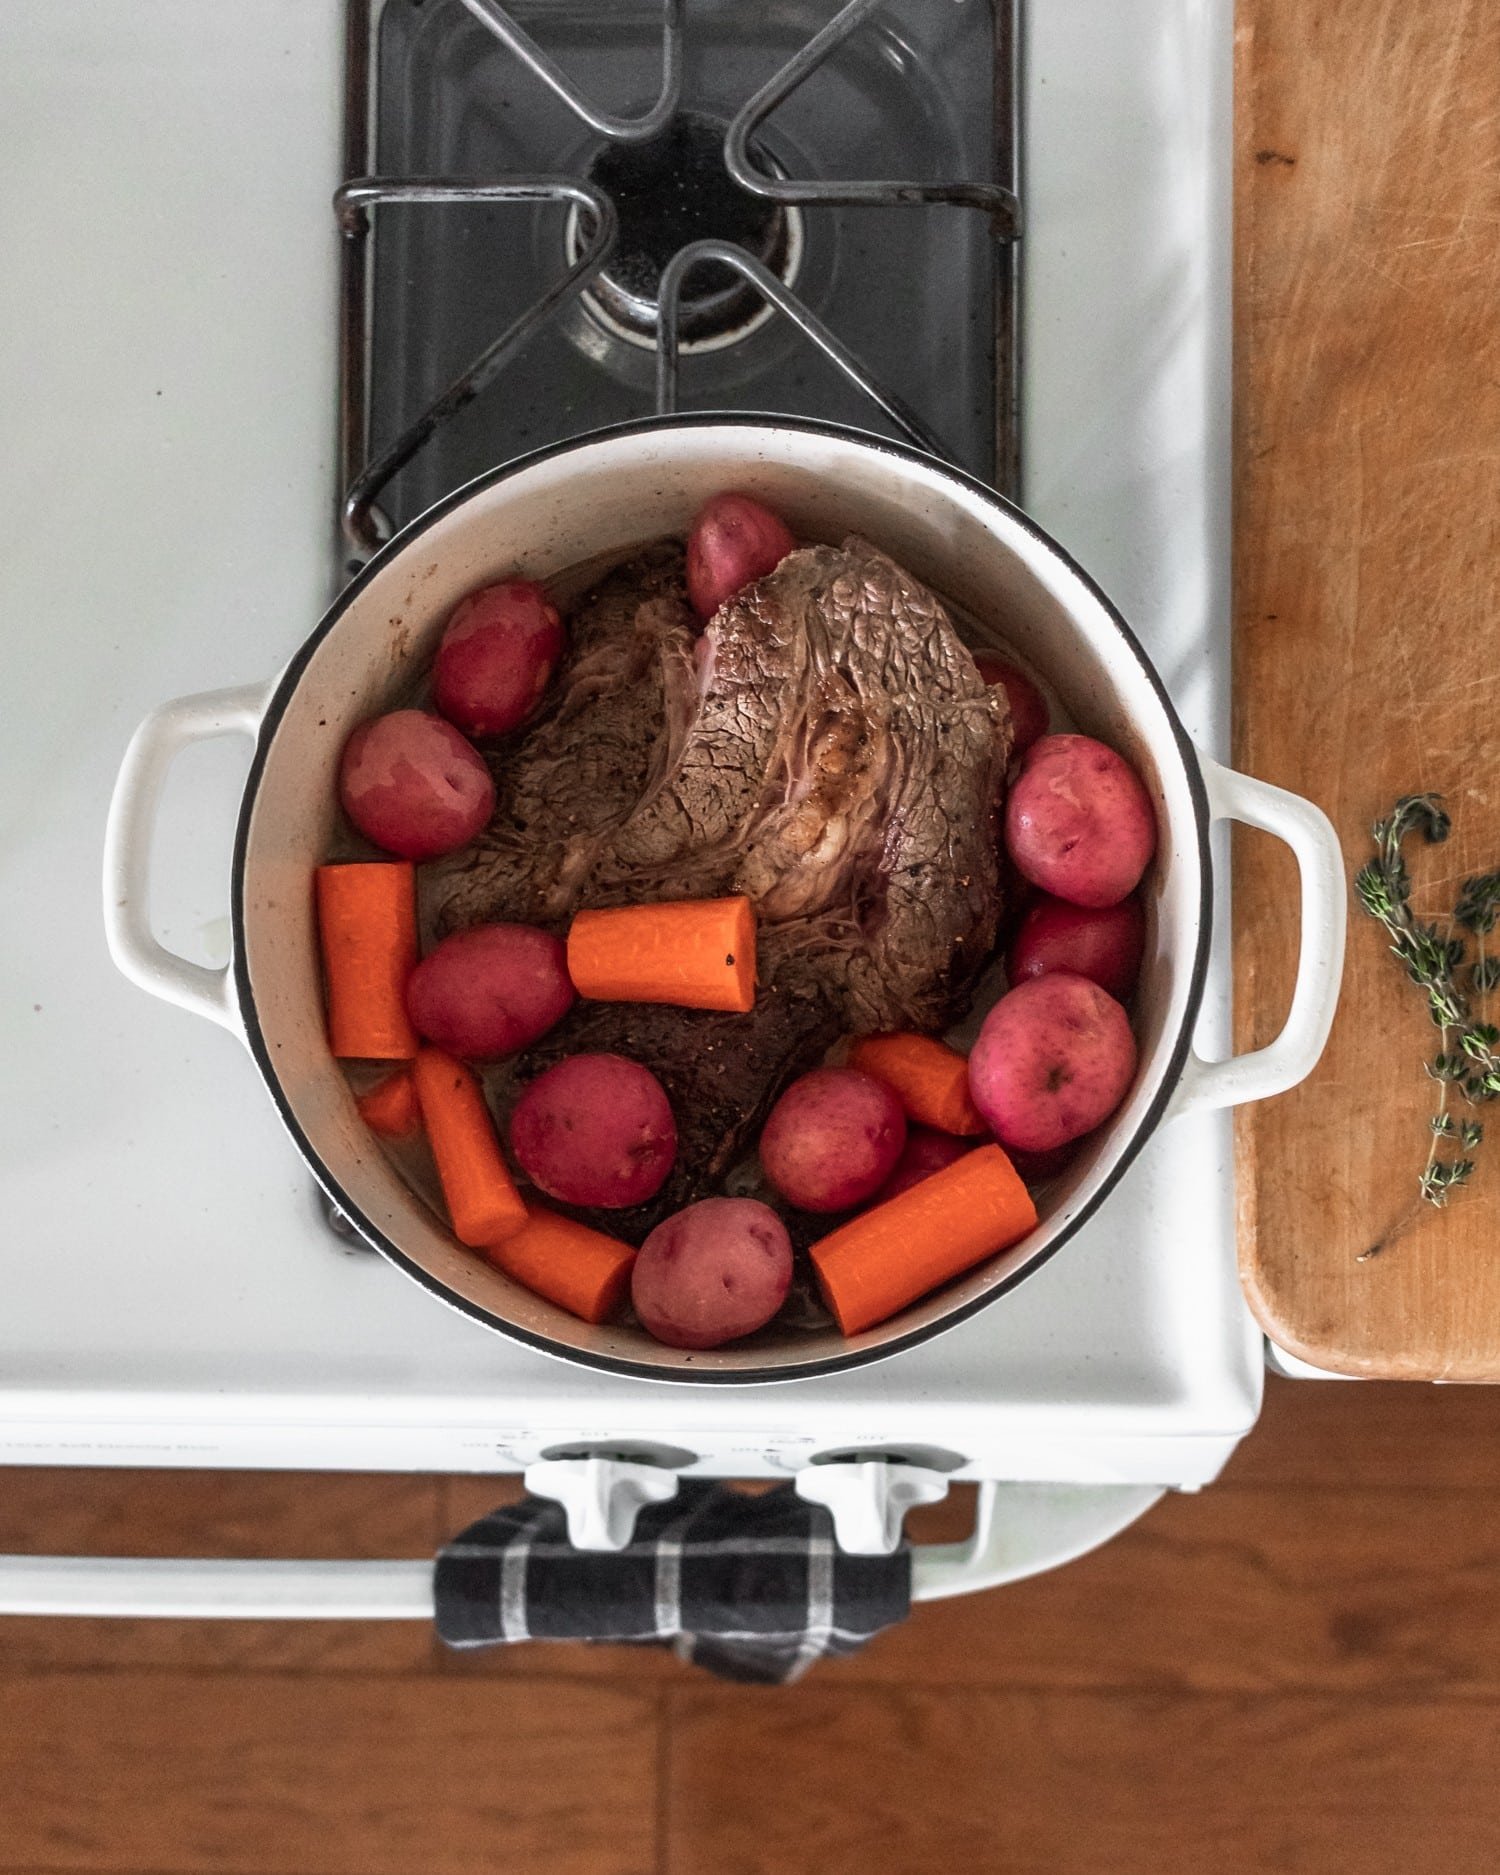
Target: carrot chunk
[390,1108]
[367,921]
[697,953]
[896,1251]
[931,1079]
[581,1270]
[481,1197]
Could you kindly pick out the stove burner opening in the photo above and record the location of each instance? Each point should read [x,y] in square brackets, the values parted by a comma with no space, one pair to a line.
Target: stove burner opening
[669,191]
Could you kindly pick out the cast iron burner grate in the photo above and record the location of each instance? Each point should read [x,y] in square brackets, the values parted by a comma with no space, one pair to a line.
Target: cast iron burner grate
[669,233]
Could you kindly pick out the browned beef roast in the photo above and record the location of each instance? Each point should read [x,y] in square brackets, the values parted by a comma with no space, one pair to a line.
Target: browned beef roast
[843,768]
[875,860]
[826,746]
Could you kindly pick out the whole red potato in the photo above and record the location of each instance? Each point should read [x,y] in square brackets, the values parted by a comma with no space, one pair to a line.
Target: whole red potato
[712,1272]
[491,990]
[924,1153]
[733,540]
[1054,1059]
[410,783]
[1029,714]
[1079,822]
[1101,943]
[497,655]
[595,1130]
[833,1139]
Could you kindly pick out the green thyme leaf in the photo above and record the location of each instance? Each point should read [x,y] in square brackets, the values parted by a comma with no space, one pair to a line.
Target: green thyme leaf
[1440,1178]
[1479,902]
[1432,955]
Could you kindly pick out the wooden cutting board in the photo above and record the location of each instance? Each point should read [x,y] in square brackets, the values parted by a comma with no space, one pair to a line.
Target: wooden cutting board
[1367,632]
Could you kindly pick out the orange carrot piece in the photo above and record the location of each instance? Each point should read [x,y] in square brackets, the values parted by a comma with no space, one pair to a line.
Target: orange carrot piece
[390,1108]
[698,953]
[894,1252]
[367,920]
[931,1079]
[579,1269]
[482,1200]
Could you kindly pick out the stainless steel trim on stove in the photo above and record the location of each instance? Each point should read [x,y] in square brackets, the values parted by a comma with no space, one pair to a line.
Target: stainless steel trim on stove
[365,527]
[669,306]
[622,129]
[996,199]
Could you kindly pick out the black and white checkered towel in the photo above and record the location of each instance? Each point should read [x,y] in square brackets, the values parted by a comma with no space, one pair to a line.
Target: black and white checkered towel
[752,1588]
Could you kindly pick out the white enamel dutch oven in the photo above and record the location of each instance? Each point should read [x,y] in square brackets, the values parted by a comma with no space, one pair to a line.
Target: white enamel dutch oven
[605,495]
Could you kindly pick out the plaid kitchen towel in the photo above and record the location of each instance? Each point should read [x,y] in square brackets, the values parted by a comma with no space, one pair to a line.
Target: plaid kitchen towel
[752,1588]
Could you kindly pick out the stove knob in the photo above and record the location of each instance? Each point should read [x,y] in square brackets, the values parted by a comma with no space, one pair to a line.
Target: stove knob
[602,1496]
[869,1499]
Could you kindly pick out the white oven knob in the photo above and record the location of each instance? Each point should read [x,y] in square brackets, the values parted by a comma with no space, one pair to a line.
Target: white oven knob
[602,1496]
[869,1499]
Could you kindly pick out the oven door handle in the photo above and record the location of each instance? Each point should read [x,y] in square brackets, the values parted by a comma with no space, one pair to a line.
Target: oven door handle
[137,951]
[1020,1530]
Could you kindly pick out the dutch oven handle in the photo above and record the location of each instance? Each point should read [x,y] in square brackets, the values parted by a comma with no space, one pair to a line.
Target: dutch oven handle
[1281,1064]
[153,748]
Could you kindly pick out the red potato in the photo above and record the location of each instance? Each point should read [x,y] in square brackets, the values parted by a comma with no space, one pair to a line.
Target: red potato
[1054,1059]
[1079,822]
[733,541]
[924,1153]
[498,652]
[1103,944]
[1029,714]
[410,783]
[595,1130]
[833,1139]
[489,991]
[716,1270]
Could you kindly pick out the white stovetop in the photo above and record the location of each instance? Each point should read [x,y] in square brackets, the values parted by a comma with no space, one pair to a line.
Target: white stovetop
[166,365]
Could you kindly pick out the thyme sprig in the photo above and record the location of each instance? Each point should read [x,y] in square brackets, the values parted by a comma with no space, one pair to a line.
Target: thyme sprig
[1436,959]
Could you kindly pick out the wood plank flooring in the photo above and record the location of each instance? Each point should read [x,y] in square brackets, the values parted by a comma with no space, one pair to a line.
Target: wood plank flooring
[1296,1670]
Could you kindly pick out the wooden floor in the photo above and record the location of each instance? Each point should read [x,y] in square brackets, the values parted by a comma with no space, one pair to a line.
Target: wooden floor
[1298,1670]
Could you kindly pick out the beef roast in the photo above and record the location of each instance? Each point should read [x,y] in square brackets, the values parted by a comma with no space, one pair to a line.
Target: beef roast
[875,858]
[826,746]
[843,768]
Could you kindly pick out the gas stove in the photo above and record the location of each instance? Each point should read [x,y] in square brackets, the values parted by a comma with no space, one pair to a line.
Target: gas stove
[208,361]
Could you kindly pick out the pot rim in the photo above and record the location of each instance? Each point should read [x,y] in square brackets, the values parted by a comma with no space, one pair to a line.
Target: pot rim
[287,683]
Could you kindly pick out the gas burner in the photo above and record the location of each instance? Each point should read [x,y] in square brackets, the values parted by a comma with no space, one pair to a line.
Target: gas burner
[669,192]
[679,232]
